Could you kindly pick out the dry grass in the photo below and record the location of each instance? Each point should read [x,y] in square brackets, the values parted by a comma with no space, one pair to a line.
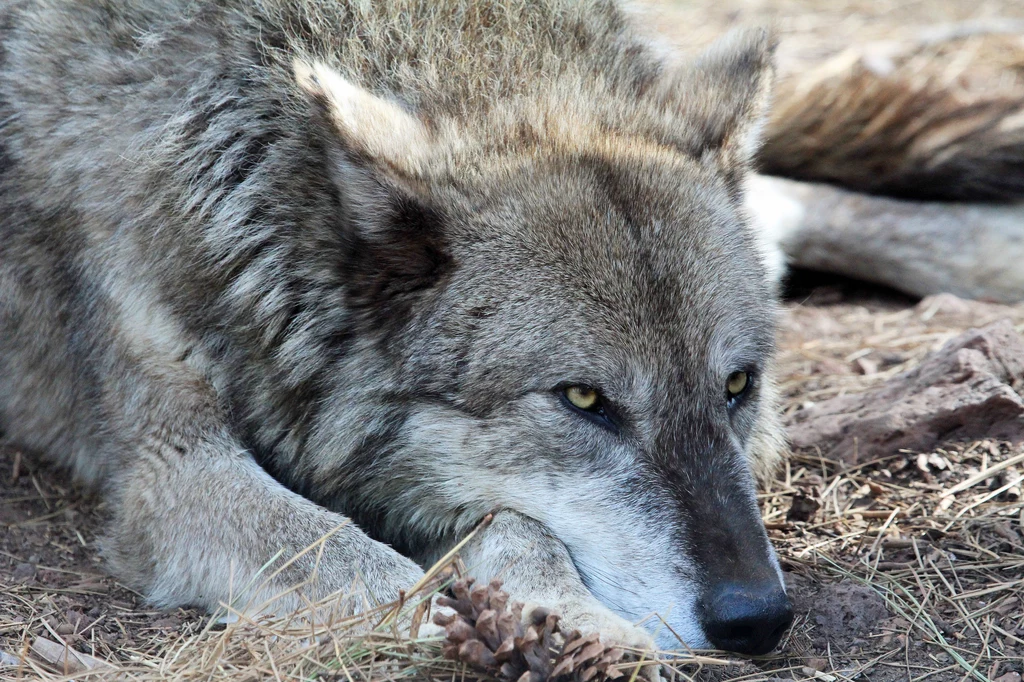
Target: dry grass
[939,535]
[231,646]
[948,566]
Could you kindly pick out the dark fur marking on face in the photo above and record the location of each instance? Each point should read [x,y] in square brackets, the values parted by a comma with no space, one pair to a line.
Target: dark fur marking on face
[386,279]
[714,493]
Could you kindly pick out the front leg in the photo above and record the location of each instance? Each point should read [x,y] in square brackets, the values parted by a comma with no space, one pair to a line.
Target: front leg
[537,569]
[196,521]
[209,527]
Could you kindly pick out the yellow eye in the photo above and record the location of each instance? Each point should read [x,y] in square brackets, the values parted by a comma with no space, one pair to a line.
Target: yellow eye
[583,397]
[736,383]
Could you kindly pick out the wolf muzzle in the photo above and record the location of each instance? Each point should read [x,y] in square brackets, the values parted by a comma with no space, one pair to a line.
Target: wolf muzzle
[743,606]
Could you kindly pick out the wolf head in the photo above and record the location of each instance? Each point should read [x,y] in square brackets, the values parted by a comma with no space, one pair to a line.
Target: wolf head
[568,318]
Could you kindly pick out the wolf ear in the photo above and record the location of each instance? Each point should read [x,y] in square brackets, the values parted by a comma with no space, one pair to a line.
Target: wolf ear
[724,96]
[376,155]
[369,126]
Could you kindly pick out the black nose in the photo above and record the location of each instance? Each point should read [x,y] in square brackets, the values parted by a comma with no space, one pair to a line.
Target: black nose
[747,619]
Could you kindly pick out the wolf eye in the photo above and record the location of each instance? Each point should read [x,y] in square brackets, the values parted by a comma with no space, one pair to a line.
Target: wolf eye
[587,401]
[583,397]
[737,384]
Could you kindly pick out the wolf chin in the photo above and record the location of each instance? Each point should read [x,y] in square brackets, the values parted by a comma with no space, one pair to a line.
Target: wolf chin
[283,272]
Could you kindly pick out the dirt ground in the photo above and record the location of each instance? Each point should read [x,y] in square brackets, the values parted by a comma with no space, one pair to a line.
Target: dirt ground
[892,579]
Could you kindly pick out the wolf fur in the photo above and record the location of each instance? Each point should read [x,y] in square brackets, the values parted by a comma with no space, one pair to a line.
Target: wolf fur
[896,133]
[972,250]
[294,273]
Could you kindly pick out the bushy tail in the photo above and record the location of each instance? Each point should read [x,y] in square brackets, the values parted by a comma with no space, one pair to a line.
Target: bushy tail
[897,130]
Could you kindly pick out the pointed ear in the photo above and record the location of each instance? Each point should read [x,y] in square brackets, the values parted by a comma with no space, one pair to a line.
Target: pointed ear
[370,126]
[724,96]
[376,155]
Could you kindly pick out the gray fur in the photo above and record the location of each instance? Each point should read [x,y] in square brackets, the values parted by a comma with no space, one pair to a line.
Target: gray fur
[253,309]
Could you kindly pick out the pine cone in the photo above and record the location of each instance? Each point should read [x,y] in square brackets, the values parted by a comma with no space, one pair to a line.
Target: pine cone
[486,634]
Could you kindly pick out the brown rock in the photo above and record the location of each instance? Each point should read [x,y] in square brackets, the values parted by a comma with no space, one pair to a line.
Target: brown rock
[848,608]
[971,387]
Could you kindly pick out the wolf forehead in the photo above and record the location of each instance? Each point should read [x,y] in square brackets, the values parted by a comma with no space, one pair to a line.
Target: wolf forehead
[593,263]
[649,245]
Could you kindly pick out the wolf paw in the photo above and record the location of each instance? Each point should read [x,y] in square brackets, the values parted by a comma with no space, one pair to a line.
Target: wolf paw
[614,630]
[588,617]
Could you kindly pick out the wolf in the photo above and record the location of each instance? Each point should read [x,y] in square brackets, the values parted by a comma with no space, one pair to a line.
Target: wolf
[280,274]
